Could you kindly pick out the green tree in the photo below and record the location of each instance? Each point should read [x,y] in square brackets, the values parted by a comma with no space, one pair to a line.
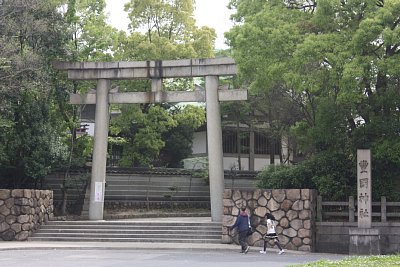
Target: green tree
[331,173]
[169,19]
[157,137]
[30,35]
[159,30]
[335,62]
[178,140]
[164,30]
[90,39]
[143,131]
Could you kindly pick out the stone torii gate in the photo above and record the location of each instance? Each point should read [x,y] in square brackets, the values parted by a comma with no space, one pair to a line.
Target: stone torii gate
[104,72]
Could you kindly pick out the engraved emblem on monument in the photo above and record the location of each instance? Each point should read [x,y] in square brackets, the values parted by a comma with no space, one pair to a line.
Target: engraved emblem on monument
[363,165]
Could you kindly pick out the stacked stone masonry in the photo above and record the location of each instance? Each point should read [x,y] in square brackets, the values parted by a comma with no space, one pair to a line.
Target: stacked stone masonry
[22,211]
[294,210]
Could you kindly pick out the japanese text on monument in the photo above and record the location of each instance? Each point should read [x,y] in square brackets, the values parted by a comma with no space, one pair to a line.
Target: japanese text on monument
[364,188]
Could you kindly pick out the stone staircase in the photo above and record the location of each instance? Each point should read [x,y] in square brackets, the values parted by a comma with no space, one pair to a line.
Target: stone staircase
[171,231]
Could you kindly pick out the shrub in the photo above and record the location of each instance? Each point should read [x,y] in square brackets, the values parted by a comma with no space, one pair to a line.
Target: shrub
[332,174]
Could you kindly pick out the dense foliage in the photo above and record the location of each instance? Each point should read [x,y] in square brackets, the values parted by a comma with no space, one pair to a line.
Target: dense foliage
[38,127]
[159,134]
[332,174]
[157,131]
[323,75]
[336,62]
[30,36]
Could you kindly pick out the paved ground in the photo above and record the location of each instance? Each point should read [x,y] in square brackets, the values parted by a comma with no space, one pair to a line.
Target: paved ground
[112,254]
[152,256]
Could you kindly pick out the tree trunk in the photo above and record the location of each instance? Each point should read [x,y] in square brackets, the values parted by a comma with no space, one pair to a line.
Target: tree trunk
[63,210]
[272,152]
[239,147]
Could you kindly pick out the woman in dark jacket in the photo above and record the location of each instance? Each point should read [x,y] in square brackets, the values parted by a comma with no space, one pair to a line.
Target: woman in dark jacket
[243,225]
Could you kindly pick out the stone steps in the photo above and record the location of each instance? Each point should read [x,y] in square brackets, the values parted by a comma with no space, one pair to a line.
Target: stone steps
[129,231]
[163,197]
[144,240]
[154,194]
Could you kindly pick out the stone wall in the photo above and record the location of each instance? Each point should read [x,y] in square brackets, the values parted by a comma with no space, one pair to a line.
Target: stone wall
[22,211]
[294,210]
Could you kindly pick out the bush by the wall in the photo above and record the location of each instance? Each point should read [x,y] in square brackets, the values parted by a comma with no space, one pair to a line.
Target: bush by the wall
[332,174]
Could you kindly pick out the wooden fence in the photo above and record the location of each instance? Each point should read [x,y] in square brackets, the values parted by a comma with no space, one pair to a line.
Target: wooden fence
[382,211]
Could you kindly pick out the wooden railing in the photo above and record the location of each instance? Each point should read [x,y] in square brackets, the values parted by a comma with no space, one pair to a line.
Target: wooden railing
[382,211]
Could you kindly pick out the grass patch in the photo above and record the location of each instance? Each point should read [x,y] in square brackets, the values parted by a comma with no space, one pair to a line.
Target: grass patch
[357,261]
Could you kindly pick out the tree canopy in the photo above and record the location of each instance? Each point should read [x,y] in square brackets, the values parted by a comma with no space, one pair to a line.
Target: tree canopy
[39,129]
[30,37]
[159,29]
[322,74]
[336,62]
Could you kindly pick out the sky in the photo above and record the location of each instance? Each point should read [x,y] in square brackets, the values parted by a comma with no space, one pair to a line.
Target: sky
[212,13]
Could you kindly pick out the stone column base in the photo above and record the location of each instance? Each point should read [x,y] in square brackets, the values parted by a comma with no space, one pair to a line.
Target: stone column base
[364,241]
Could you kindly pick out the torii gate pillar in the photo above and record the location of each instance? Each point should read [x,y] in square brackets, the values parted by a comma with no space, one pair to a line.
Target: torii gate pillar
[104,72]
[214,145]
[99,162]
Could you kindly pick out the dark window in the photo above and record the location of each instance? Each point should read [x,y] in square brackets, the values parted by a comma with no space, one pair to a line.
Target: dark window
[260,144]
[230,142]
[245,142]
[115,156]
[263,144]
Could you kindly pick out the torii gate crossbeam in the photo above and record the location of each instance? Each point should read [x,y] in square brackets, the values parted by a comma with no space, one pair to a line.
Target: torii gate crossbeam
[104,72]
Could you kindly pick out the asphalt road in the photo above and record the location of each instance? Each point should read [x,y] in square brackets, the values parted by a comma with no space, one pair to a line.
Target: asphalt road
[153,257]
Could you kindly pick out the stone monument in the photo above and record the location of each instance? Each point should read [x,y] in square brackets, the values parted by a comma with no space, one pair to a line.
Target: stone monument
[364,240]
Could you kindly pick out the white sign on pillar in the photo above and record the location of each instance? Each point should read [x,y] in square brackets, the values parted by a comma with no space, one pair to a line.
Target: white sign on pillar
[98,192]
[364,201]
